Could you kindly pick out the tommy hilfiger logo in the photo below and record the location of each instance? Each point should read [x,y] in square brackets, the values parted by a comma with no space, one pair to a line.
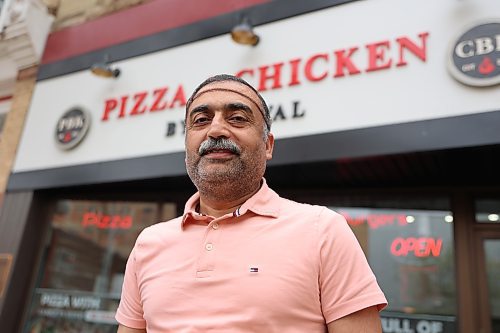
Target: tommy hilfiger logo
[254,269]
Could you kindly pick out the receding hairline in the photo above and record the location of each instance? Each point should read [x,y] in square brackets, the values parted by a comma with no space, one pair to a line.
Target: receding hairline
[210,87]
[203,91]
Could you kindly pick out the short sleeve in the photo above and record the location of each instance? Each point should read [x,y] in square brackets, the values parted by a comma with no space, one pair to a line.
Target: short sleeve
[130,312]
[347,283]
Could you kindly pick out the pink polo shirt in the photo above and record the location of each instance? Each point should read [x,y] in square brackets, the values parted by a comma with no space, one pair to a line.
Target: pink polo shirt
[273,265]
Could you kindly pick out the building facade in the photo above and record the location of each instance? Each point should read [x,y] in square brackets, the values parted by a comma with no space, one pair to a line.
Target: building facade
[386,113]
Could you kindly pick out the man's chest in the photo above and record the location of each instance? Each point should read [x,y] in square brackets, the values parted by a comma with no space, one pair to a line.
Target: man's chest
[222,272]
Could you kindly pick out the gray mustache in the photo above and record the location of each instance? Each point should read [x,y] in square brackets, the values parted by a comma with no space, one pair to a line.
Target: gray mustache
[218,144]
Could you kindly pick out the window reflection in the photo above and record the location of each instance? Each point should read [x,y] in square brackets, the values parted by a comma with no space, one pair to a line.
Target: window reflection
[80,281]
[411,252]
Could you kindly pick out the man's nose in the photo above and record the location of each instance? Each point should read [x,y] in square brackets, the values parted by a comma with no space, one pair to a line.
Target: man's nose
[218,127]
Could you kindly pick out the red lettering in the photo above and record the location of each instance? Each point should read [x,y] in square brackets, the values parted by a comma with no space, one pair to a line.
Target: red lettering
[435,246]
[109,105]
[158,103]
[309,64]
[372,221]
[179,97]
[106,221]
[421,247]
[376,56]
[345,61]
[244,71]
[126,222]
[411,243]
[123,106]
[398,247]
[138,108]
[275,77]
[419,51]
[294,77]
[88,219]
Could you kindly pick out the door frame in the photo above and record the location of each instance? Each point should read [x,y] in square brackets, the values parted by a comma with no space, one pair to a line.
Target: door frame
[473,311]
[483,233]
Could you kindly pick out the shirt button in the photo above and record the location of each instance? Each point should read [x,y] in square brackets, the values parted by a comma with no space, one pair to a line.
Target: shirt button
[215,226]
[209,246]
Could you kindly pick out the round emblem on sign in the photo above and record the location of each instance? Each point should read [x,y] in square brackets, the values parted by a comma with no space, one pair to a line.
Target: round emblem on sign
[72,127]
[475,55]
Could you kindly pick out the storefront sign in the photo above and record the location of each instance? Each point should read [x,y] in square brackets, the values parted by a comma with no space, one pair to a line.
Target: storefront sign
[337,63]
[420,247]
[406,323]
[475,58]
[62,300]
[72,127]
[315,68]
[354,78]
[143,102]
[375,221]
[103,221]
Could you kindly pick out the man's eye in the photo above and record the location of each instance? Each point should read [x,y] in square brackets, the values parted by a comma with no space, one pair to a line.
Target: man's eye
[201,120]
[238,118]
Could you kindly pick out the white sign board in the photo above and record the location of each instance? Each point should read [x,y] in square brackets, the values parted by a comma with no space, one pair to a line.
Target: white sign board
[358,65]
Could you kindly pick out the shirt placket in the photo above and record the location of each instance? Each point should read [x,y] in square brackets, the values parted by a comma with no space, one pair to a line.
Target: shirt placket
[209,248]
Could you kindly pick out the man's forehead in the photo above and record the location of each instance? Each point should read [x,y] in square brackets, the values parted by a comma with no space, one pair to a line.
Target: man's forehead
[231,87]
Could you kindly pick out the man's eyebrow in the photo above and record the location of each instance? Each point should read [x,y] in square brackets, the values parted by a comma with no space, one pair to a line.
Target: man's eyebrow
[199,108]
[238,106]
[234,106]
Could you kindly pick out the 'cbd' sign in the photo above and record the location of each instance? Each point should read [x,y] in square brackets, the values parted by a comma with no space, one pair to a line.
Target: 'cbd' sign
[475,56]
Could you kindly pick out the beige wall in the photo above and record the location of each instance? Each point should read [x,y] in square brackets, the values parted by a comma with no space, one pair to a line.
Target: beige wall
[14,124]
[74,12]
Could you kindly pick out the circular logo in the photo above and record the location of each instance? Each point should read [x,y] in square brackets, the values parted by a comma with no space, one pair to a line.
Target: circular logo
[72,127]
[475,55]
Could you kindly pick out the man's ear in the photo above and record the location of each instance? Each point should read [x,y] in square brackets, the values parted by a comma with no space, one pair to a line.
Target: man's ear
[269,146]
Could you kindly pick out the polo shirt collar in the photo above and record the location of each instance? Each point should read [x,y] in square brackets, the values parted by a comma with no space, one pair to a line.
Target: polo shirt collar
[264,202]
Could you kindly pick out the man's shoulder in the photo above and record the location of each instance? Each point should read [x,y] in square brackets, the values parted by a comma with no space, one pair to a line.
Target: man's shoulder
[303,213]
[296,207]
[158,231]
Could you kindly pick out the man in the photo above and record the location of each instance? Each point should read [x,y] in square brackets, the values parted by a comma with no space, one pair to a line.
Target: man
[242,259]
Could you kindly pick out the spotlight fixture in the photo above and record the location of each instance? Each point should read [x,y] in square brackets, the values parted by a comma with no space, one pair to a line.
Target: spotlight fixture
[103,69]
[243,33]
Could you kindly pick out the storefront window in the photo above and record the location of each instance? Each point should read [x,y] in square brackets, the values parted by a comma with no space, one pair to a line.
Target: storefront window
[412,254]
[488,210]
[81,276]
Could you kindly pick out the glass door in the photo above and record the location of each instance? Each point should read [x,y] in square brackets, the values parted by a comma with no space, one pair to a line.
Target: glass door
[488,249]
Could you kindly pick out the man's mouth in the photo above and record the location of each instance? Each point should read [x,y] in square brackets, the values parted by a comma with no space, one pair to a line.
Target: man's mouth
[218,153]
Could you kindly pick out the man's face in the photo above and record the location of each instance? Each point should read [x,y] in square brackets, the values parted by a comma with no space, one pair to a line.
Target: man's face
[225,121]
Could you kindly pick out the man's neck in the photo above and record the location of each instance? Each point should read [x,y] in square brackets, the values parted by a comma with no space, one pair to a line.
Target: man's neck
[217,208]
